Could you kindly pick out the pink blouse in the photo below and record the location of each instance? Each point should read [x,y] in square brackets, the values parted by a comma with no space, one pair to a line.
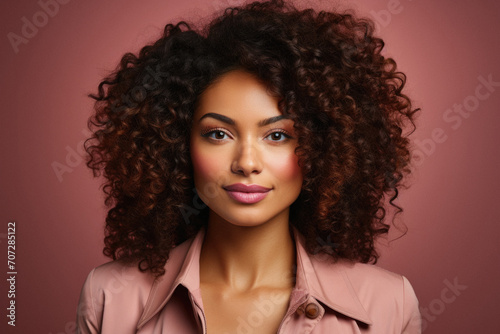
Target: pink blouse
[340,297]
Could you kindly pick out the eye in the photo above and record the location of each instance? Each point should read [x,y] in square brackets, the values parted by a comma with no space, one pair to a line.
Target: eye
[215,134]
[278,136]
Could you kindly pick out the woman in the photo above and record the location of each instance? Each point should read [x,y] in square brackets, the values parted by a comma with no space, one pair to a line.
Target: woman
[246,165]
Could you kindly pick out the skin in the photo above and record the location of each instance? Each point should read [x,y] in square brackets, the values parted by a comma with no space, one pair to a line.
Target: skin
[248,253]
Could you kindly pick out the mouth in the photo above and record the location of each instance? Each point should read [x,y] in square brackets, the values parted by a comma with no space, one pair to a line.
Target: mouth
[247,194]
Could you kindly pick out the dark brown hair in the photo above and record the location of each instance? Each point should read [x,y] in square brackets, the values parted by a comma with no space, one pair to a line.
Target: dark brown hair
[345,98]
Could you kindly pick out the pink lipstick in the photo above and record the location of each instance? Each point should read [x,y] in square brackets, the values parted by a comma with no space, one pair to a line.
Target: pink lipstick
[247,194]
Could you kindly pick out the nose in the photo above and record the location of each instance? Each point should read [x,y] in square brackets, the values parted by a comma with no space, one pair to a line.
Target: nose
[247,159]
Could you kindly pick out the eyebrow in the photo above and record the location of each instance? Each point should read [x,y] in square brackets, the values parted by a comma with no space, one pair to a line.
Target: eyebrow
[230,121]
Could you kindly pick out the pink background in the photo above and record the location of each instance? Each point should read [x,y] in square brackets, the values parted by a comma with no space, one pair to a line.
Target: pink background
[443,47]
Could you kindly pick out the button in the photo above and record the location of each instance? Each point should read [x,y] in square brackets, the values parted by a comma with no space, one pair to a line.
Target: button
[312,311]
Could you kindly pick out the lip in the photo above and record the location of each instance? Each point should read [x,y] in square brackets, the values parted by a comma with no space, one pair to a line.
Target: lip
[246,188]
[247,194]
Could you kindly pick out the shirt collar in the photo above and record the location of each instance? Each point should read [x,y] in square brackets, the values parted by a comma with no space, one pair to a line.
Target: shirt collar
[318,277]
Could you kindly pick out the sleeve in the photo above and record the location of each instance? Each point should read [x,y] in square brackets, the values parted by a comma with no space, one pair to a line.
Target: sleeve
[412,322]
[86,315]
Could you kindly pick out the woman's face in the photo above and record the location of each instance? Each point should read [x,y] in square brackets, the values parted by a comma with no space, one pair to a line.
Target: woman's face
[242,149]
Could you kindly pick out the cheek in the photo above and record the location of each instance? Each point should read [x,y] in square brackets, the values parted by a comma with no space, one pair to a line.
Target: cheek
[203,165]
[208,167]
[286,168]
[207,164]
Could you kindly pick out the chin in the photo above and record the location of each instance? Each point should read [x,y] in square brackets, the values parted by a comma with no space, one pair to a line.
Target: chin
[247,218]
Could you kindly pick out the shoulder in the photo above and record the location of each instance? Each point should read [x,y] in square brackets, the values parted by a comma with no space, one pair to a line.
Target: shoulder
[362,277]
[117,293]
[114,278]
[371,281]
[380,289]
[110,289]
[118,279]
[369,276]
[387,297]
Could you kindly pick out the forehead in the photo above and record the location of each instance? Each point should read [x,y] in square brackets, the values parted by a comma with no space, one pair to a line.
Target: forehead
[237,94]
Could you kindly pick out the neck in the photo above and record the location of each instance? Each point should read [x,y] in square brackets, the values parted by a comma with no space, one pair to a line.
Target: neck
[247,257]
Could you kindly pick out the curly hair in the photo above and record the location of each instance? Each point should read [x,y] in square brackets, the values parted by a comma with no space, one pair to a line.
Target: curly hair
[344,97]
